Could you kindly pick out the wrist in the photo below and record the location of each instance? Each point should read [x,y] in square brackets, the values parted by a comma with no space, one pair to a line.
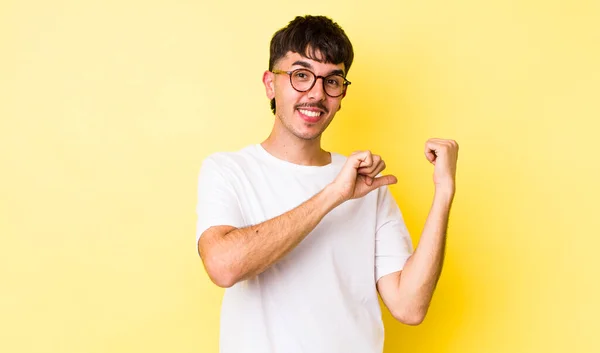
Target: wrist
[333,196]
[445,193]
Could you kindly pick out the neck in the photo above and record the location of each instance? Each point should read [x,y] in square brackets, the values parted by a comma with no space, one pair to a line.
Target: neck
[296,150]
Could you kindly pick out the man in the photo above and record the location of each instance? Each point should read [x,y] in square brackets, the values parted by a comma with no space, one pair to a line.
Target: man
[304,239]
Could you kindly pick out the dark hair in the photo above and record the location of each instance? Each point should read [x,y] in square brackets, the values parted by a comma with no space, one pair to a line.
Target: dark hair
[309,36]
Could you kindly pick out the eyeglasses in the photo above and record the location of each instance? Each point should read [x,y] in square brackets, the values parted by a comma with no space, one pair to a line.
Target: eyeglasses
[303,80]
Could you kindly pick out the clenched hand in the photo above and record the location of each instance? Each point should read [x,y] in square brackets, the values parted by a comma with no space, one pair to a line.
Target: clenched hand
[358,176]
[443,154]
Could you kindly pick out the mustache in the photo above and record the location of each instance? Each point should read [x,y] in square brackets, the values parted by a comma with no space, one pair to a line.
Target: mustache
[317,105]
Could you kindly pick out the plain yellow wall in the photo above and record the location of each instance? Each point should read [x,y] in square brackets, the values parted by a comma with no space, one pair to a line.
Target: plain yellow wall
[107,109]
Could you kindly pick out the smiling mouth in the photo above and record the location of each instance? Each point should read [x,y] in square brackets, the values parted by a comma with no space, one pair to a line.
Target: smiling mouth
[310,113]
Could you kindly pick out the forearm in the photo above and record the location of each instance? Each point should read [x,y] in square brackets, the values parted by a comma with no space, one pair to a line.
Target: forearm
[422,271]
[246,252]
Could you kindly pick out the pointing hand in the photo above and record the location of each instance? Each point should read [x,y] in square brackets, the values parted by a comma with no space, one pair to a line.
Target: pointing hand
[358,176]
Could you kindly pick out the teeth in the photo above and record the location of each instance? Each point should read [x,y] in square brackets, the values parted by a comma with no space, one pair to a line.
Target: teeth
[310,113]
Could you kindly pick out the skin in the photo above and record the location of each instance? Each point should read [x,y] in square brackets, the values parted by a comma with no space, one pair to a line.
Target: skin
[292,138]
[231,255]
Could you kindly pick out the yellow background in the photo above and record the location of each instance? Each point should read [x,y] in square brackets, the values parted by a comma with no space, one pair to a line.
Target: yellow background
[107,109]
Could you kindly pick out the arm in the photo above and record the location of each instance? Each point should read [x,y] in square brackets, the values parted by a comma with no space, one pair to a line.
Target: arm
[234,254]
[408,293]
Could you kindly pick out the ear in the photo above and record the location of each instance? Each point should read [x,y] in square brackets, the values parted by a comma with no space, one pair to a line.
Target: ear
[268,78]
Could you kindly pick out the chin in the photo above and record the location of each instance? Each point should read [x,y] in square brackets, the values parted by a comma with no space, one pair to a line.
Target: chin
[308,135]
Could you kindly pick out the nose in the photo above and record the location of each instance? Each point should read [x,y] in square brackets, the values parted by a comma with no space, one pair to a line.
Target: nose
[317,91]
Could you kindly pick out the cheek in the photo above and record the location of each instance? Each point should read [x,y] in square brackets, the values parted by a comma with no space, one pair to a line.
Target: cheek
[287,97]
[336,105]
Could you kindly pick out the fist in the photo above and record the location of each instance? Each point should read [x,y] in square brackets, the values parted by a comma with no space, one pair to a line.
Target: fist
[358,176]
[443,154]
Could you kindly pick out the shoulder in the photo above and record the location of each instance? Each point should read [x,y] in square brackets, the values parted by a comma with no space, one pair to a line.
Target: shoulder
[228,160]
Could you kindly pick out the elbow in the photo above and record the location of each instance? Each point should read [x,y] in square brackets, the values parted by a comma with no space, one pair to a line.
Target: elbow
[413,320]
[220,276]
[222,280]
[218,270]
[413,317]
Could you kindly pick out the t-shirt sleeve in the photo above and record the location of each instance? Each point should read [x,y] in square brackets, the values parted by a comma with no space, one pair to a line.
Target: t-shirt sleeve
[393,245]
[217,201]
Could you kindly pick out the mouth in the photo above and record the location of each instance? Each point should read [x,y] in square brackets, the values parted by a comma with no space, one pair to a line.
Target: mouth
[310,115]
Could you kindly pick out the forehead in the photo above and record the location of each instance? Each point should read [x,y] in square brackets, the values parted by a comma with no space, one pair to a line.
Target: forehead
[319,66]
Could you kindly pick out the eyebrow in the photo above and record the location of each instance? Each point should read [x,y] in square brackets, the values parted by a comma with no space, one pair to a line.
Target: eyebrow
[307,65]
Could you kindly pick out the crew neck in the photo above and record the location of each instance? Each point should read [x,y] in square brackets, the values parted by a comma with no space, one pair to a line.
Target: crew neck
[299,167]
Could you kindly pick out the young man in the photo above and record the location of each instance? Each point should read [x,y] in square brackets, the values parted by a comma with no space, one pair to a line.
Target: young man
[304,239]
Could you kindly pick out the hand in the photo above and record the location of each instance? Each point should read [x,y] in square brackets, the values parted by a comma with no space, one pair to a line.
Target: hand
[443,154]
[358,176]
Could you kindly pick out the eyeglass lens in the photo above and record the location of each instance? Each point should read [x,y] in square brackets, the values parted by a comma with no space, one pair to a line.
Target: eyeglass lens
[303,80]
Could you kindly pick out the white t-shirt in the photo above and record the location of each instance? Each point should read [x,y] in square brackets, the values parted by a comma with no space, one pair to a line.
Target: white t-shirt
[321,297]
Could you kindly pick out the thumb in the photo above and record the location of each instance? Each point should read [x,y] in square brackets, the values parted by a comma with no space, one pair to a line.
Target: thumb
[383,180]
[431,156]
[354,162]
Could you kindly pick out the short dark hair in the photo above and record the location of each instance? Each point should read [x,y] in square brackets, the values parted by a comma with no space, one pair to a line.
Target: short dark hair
[308,36]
